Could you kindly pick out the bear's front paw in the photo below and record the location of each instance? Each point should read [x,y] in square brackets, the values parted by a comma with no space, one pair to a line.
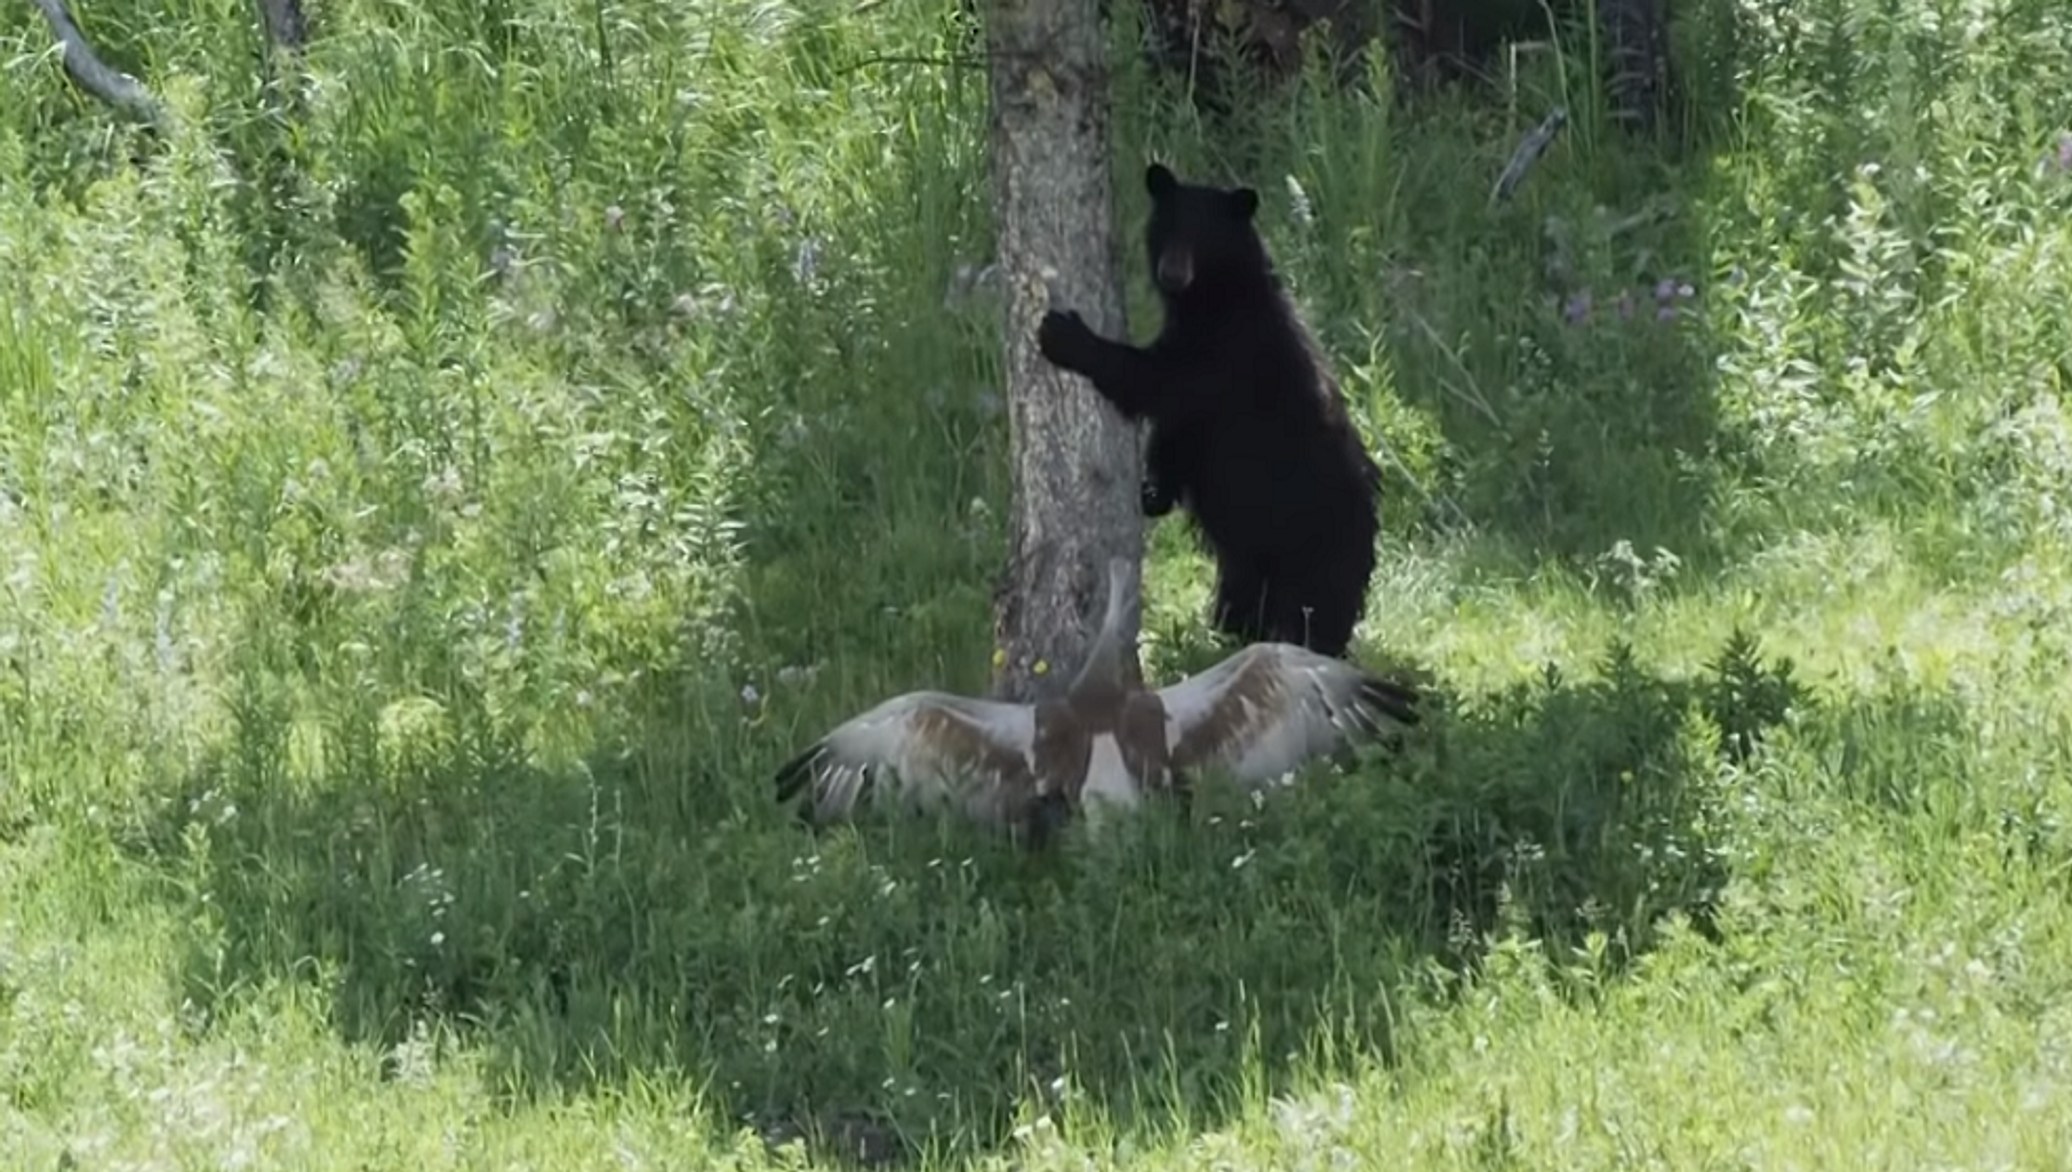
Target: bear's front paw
[1064,339]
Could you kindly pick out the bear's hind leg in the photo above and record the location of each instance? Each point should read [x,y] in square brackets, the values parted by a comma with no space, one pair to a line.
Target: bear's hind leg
[1240,607]
[1318,606]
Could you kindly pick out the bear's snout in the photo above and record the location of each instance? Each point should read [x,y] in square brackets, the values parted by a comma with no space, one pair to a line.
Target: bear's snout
[1175,270]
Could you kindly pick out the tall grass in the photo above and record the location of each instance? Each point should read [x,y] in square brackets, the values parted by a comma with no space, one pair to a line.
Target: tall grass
[431,502]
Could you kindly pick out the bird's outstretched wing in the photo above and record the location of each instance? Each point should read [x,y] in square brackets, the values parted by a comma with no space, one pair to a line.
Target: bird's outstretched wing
[922,747]
[1273,706]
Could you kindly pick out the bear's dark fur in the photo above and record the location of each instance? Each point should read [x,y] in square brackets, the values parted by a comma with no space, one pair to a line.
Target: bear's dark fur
[1248,431]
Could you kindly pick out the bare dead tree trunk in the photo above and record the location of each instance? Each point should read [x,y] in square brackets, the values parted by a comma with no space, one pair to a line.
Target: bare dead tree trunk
[118,89]
[281,19]
[1076,461]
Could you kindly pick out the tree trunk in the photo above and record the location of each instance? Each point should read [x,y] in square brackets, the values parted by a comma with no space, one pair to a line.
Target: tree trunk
[1076,462]
[283,22]
[1636,41]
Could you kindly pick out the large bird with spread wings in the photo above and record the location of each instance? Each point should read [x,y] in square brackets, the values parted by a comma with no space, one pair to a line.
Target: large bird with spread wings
[1257,715]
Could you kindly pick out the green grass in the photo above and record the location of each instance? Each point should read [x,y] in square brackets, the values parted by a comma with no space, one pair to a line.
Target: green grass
[430,510]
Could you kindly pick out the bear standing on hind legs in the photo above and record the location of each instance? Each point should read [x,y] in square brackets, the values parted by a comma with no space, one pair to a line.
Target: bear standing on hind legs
[1249,434]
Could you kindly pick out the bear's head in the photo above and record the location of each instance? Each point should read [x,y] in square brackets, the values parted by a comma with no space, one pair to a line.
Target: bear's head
[1200,236]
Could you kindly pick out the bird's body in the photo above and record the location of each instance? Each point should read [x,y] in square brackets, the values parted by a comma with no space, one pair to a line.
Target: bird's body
[1258,714]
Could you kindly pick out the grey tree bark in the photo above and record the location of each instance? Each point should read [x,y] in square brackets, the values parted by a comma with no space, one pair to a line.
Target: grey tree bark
[1076,465]
[284,24]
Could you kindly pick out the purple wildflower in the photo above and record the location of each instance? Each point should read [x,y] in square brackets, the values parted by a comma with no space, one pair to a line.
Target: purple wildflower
[1665,288]
[1666,313]
[2064,153]
[1577,308]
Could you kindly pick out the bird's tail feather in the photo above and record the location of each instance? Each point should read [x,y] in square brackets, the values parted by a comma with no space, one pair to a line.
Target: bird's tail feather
[1397,701]
[793,776]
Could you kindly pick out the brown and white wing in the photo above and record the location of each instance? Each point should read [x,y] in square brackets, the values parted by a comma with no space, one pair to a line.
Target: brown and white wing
[923,748]
[1273,706]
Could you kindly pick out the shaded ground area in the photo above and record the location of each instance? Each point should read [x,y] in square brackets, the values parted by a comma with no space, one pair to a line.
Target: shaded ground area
[656,912]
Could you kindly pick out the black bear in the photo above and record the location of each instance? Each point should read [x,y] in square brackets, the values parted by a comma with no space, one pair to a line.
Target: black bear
[1248,431]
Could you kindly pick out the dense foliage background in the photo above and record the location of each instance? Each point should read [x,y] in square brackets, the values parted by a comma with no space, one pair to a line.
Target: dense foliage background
[434,496]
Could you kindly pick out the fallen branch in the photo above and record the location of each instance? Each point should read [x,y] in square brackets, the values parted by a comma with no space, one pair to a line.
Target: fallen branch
[1530,148]
[112,86]
[1654,213]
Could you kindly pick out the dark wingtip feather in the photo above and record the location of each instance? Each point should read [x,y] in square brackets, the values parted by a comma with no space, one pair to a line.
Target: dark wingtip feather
[792,776]
[1396,700]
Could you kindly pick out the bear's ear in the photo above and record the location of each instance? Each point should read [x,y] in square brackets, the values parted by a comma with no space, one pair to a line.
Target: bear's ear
[1159,181]
[1244,201]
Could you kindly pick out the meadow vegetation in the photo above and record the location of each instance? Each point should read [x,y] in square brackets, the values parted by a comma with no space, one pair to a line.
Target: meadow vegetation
[434,497]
